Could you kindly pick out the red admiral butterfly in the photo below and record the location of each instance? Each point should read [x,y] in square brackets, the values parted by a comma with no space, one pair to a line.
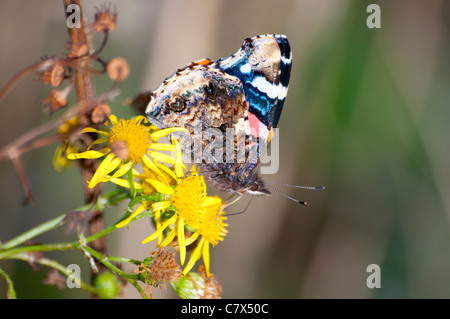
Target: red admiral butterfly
[232,103]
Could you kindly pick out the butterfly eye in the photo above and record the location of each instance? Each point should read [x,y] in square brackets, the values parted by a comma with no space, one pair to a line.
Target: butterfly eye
[211,91]
[178,105]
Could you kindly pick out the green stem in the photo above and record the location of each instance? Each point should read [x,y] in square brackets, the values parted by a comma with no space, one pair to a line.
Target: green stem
[54,247]
[124,260]
[54,264]
[110,199]
[105,261]
[102,233]
[11,293]
[33,232]
[50,247]
[9,249]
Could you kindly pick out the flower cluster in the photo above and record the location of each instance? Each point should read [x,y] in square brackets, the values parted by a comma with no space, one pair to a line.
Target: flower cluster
[134,159]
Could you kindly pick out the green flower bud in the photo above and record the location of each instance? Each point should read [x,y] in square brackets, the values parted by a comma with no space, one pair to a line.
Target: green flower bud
[108,285]
[191,286]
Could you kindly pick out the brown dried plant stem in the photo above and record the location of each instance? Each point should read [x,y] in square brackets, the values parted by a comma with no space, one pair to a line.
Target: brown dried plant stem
[85,93]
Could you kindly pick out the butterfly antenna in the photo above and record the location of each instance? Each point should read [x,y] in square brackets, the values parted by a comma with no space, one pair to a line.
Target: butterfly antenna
[316,188]
[287,196]
[246,207]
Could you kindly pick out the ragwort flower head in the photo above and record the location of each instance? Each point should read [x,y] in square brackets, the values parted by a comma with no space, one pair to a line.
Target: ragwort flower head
[196,210]
[129,142]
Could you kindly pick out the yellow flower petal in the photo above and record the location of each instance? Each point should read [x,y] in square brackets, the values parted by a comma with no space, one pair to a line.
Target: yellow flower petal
[162,157]
[181,241]
[123,169]
[126,221]
[121,182]
[93,130]
[60,159]
[97,141]
[169,238]
[153,236]
[140,118]
[211,200]
[161,133]
[160,187]
[158,224]
[166,170]
[191,239]
[152,166]
[161,147]
[195,255]
[89,154]
[109,164]
[205,253]
[113,119]
[161,205]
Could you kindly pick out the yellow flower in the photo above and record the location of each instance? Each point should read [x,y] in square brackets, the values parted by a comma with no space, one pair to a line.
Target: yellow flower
[151,176]
[136,136]
[196,210]
[211,229]
[129,143]
[156,178]
[60,160]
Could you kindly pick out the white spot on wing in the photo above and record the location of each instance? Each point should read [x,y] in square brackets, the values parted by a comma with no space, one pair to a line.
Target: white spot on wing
[283,92]
[246,68]
[285,60]
[266,87]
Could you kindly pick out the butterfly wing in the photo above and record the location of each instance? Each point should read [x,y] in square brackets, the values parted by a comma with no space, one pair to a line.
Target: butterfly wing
[244,92]
[263,64]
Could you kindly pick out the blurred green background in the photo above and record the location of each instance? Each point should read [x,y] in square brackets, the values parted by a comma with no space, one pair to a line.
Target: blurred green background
[367,116]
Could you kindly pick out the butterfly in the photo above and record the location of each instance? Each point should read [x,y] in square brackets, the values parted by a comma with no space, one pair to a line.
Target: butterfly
[231,104]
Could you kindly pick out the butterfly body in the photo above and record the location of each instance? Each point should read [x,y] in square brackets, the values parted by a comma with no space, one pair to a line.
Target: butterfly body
[230,107]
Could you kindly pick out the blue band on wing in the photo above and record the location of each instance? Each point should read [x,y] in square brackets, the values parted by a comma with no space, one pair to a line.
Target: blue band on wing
[256,86]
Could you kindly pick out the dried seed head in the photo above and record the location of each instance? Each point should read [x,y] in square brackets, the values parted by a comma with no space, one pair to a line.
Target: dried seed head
[53,75]
[213,289]
[164,267]
[118,69]
[57,99]
[100,113]
[120,149]
[161,268]
[105,20]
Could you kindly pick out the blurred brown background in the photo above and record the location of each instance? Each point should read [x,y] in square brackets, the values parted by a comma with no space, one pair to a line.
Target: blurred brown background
[366,115]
